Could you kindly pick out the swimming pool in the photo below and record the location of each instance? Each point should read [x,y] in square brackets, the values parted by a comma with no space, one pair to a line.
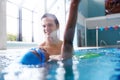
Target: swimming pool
[87,64]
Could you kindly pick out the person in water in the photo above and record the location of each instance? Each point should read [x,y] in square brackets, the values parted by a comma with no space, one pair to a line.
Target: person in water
[53,47]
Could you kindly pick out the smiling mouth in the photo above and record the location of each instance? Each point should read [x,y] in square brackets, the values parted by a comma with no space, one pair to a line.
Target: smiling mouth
[48,33]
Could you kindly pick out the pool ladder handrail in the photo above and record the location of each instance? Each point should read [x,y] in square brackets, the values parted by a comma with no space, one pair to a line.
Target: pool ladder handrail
[102,42]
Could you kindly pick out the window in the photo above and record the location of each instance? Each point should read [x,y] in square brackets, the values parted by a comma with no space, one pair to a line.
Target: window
[25,15]
[12,18]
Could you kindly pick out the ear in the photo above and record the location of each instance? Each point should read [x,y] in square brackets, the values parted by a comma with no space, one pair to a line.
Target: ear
[57,25]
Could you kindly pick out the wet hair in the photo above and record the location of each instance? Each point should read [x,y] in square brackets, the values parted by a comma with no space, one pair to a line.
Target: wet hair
[51,15]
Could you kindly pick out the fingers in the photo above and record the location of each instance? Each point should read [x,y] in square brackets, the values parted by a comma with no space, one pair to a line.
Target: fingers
[75,1]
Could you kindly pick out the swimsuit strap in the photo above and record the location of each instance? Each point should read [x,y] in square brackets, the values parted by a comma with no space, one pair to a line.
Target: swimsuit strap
[40,54]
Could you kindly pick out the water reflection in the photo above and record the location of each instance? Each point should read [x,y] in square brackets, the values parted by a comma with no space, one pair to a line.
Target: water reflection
[65,71]
[68,70]
[58,70]
[115,77]
[15,72]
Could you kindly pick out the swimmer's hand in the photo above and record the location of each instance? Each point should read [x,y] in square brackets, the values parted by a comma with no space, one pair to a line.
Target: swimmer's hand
[55,57]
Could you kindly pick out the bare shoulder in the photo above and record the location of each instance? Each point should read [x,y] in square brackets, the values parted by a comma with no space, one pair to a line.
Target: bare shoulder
[41,45]
[61,42]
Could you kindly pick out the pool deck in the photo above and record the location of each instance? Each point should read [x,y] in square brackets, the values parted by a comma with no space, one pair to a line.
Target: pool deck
[20,45]
[13,47]
[23,46]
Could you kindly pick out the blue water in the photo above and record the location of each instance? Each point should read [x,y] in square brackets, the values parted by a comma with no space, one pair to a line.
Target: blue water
[106,66]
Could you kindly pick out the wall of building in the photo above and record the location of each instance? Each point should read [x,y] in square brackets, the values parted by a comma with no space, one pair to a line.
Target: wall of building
[83,8]
[105,37]
[94,13]
[92,8]
[80,29]
[96,8]
[2,24]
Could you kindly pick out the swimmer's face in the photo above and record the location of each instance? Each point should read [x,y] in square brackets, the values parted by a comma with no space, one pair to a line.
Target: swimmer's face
[49,25]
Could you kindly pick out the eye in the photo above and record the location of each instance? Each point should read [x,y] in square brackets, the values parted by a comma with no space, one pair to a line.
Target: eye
[43,26]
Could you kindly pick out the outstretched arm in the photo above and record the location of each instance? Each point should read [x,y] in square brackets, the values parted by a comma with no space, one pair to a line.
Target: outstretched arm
[67,47]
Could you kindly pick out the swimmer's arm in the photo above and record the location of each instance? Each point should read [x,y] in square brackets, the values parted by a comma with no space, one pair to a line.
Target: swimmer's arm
[67,47]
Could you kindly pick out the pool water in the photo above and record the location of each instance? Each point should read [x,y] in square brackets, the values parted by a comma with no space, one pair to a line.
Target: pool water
[86,64]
